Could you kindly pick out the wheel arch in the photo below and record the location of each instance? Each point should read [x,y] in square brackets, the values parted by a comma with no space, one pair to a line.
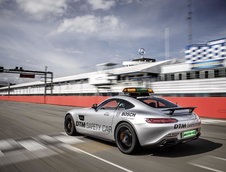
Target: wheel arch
[69,113]
[120,122]
[72,116]
[72,131]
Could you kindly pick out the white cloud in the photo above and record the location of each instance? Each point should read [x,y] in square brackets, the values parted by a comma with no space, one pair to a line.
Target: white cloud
[1,1]
[125,1]
[107,27]
[89,24]
[71,51]
[41,8]
[101,4]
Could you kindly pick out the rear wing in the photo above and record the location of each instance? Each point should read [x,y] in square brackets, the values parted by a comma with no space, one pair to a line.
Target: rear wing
[172,110]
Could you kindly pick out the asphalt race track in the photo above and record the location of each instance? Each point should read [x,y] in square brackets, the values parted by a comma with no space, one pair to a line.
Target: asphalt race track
[32,138]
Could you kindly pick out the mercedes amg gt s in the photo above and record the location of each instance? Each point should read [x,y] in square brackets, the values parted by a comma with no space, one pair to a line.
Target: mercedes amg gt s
[135,119]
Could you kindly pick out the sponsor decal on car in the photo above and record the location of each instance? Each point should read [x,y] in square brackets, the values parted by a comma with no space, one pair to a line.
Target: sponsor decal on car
[128,114]
[80,124]
[94,126]
[184,125]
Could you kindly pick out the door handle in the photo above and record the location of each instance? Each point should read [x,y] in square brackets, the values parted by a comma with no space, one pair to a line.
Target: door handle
[106,114]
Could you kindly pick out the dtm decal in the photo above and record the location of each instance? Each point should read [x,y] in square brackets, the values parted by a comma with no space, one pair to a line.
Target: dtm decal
[128,114]
[93,126]
[80,124]
[178,126]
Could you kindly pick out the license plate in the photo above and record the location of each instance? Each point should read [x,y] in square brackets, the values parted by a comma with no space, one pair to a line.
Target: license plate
[189,133]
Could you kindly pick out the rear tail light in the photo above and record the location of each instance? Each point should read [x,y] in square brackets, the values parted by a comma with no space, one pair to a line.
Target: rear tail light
[160,120]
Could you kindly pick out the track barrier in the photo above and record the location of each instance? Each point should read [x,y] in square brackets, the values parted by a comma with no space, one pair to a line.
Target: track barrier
[212,107]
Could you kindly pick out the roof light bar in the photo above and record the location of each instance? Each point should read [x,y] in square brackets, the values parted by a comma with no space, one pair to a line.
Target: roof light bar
[138,90]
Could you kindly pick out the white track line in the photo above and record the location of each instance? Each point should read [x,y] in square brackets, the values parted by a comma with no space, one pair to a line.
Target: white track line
[212,121]
[1,154]
[101,159]
[72,148]
[223,159]
[7,144]
[208,168]
[32,145]
[68,139]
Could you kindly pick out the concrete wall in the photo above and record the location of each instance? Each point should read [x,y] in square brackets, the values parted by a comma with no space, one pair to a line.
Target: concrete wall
[212,107]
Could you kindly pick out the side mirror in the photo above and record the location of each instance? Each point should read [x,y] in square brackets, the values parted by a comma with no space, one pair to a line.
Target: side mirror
[94,106]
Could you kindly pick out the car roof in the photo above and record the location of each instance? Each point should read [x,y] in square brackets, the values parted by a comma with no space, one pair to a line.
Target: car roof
[130,99]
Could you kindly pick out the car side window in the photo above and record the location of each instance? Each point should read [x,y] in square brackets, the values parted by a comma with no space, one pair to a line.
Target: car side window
[125,105]
[109,105]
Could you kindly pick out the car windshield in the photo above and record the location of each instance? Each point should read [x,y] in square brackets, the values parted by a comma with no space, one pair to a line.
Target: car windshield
[157,102]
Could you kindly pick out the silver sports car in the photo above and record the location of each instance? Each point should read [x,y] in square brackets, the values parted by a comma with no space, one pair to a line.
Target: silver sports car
[135,119]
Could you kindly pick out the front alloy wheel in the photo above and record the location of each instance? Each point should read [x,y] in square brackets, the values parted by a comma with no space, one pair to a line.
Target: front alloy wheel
[69,126]
[126,138]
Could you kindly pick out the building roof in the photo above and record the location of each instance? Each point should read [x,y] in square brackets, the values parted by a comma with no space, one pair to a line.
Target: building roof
[153,67]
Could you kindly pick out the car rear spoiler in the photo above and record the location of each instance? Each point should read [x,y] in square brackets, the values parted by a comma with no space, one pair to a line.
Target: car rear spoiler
[172,110]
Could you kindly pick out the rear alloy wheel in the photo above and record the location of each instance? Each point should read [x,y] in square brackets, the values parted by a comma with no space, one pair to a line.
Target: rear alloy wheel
[126,138]
[69,126]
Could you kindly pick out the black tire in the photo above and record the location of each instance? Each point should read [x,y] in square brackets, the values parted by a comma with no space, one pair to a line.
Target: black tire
[69,126]
[126,138]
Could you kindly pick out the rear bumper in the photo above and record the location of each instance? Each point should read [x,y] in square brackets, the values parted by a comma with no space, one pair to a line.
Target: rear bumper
[173,141]
[162,135]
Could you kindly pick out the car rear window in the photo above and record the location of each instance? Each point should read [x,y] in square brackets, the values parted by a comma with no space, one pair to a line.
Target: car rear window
[157,102]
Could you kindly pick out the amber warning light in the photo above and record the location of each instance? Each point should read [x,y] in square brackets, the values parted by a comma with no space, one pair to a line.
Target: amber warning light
[138,90]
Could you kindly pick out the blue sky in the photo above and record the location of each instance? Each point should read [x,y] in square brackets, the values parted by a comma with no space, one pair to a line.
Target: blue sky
[72,36]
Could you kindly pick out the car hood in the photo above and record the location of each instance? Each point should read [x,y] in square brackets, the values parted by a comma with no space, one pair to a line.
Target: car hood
[78,110]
